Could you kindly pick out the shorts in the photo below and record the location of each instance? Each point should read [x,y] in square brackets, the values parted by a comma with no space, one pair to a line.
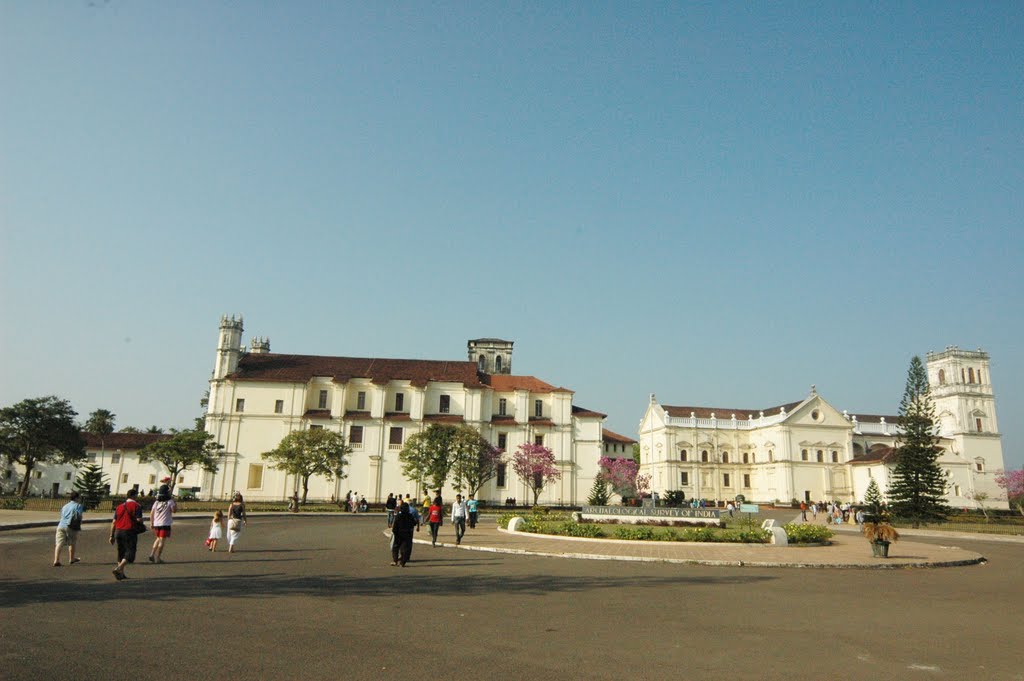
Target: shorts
[126,541]
[66,537]
[163,531]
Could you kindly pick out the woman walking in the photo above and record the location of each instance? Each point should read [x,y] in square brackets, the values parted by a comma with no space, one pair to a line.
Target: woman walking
[401,531]
[236,520]
[160,518]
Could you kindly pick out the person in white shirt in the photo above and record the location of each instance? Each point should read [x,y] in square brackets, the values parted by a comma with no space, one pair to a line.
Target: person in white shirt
[459,515]
[161,517]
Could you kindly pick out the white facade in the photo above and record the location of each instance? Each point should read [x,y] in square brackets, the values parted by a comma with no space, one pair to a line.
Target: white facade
[808,450]
[258,397]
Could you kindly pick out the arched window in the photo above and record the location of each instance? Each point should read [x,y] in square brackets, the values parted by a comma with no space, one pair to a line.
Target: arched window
[682,455]
[835,456]
[497,364]
[725,457]
[970,375]
[942,376]
[753,457]
[821,456]
[803,455]
[482,363]
[771,455]
[746,457]
[704,455]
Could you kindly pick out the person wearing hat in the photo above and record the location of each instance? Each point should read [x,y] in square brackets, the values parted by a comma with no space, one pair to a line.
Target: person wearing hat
[160,517]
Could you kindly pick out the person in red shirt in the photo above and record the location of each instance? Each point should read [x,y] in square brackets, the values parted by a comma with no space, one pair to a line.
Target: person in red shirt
[435,514]
[123,532]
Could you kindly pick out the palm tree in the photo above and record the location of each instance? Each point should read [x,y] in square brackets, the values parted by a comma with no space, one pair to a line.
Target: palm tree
[101,424]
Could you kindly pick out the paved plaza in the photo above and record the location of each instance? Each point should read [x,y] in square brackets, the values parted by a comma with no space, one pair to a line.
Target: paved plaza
[315,597]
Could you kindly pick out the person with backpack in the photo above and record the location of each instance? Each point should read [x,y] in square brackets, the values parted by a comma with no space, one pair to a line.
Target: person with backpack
[68,528]
[160,517]
[125,530]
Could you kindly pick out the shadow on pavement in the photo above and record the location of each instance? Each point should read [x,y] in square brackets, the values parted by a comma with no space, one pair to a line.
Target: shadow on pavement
[394,582]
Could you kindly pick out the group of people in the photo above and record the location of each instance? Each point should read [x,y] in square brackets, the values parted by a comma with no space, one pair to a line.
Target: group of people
[355,503]
[835,513]
[404,519]
[128,523]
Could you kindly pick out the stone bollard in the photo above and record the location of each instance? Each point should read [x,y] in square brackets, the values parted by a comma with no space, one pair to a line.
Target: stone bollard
[515,524]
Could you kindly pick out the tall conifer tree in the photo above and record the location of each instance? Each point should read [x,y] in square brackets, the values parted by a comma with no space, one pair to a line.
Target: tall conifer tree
[918,489]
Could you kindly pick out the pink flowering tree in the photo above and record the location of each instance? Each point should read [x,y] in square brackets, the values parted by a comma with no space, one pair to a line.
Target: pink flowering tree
[643,485]
[1013,483]
[536,465]
[620,474]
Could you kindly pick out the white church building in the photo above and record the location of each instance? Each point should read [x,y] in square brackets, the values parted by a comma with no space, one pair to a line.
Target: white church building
[808,450]
[257,397]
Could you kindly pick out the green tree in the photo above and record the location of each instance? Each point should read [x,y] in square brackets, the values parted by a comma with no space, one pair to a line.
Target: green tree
[428,455]
[91,485]
[157,429]
[474,460]
[636,453]
[184,449]
[305,453]
[40,430]
[598,492]
[918,487]
[101,424]
[873,500]
[129,429]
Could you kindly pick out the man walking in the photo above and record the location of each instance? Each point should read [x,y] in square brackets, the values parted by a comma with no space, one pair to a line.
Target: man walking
[67,529]
[459,514]
[390,505]
[473,508]
[123,532]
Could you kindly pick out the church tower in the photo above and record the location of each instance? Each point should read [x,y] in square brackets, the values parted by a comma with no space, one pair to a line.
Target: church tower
[961,389]
[229,346]
[492,355]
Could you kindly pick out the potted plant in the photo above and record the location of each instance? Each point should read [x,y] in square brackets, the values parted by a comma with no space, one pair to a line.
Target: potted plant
[877,529]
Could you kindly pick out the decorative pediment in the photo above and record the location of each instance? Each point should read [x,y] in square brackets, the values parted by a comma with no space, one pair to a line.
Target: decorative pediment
[684,445]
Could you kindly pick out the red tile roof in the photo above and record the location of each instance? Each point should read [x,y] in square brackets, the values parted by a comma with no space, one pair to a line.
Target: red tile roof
[275,367]
[506,383]
[611,436]
[876,455]
[726,413]
[124,440]
[587,413]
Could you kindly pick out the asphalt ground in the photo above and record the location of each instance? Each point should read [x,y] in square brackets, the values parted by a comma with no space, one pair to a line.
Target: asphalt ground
[315,597]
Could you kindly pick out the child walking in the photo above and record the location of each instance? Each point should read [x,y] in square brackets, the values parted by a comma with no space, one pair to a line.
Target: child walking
[216,530]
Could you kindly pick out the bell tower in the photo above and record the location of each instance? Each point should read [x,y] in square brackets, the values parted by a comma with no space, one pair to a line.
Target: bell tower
[492,355]
[961,388]
[229,346]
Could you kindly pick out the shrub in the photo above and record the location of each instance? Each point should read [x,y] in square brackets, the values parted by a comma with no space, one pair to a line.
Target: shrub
[803,533]
[571,529]
[666,535]
[12,504]
[640,533]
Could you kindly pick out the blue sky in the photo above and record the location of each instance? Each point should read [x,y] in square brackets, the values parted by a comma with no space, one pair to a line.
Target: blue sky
[717,203]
